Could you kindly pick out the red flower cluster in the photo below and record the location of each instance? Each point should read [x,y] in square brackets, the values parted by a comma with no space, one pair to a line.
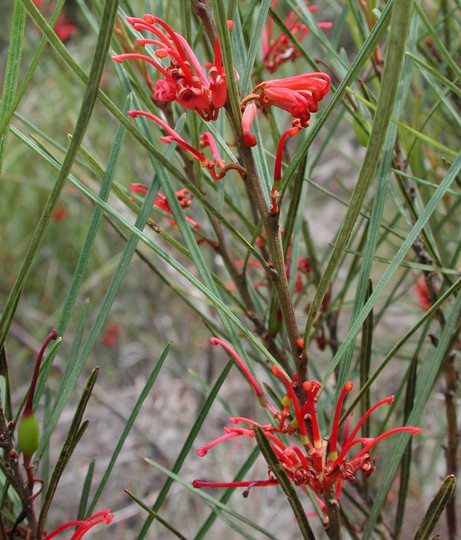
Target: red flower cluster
[184,80]
[184,198]
[278,50]
[313,461]
[299,95]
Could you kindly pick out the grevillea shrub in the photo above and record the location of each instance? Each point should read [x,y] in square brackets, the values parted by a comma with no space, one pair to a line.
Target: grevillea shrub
[201,185]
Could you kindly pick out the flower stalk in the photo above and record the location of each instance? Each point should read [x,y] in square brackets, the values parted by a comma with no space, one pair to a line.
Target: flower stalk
[83,526]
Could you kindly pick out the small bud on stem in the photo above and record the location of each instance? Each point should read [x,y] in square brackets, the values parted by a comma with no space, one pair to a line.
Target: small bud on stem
[28,429]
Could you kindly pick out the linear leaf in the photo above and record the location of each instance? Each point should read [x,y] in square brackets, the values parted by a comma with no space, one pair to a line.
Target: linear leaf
[88,102]
[12,72]
[426,379]
[285,483]
[74,434]
[201,417]
[397,260]
[155,516]
[173,477]
[126,430]
[394,56]
[437,506]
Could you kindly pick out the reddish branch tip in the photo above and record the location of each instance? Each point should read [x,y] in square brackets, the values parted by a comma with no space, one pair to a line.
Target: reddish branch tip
[30,398]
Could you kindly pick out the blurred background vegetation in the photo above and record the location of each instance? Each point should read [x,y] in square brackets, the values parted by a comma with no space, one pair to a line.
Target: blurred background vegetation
[146,314]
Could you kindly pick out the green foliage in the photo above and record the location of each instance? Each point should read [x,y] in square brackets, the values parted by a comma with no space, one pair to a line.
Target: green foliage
[356,278]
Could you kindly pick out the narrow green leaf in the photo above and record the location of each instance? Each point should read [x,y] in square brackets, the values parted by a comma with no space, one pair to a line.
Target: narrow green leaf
[190,240]
[443,95]
[406,460]
[400,86]
[220,19]
[419,135]
[5,394]
[86,491]
[214,503]
[170,283]
[366,348]
[294,222]
[437,506]
[74,434]
[159,156]
[397,260]
[88,102]
[438,42]
[276,468]
[259,157]
[201,417]
[155,516]
[18,95]
[435,73]
[215,300]
[409,264]
[74,368]
[428,374]
[394,350]
[364,53]
[254,46]
[228,493]
[394,57]
[238,40]
[13,66]
[126,430]
[93,226]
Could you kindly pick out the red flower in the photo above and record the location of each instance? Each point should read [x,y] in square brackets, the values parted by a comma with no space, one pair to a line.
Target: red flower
[207,139]
[304,265]
[312,461]
[83,526]
[60,214]
[424,295]
[185,80]
[64,27]
[111,334]
[184,198]
[298,95]
[277,51]
[217,167]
